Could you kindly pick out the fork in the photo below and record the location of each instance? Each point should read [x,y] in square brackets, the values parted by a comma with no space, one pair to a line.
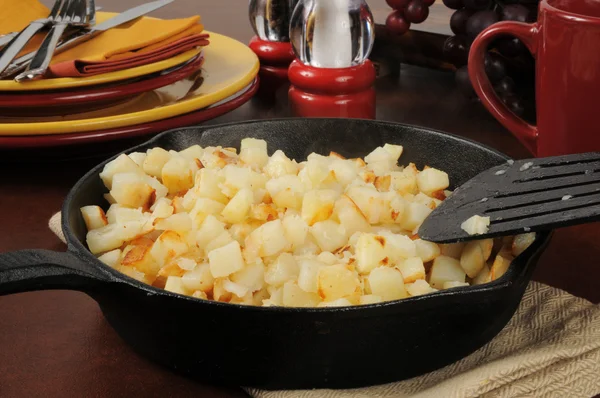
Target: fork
[75,14]
[14,47]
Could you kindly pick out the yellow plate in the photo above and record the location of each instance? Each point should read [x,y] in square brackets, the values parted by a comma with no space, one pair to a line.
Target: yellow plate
[72,82]
[229,66]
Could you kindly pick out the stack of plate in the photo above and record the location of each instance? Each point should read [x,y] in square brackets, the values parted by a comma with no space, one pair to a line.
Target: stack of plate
[184,90]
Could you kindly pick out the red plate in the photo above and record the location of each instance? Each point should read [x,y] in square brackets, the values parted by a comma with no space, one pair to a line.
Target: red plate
[94,137]
[13,103]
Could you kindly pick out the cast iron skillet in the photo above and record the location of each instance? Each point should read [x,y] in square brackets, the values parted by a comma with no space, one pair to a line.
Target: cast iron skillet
[287,348]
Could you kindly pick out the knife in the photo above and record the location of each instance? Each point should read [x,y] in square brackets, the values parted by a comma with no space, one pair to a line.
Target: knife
[21,63]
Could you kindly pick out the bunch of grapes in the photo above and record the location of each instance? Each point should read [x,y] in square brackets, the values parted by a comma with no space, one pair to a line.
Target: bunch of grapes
[406,12]
[471,18]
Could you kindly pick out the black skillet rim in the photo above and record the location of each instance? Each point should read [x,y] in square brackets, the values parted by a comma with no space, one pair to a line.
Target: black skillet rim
[76,247]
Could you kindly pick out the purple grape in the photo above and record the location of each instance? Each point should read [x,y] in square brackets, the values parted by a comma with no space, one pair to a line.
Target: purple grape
[505,85]
[464,82]
[479,21]
[458,21]
[454,4]
[510,47]
[456,50]
[416,11]
[494,67]
[397,4]
[514,103]
[396,23]
[515,12]
[477,5]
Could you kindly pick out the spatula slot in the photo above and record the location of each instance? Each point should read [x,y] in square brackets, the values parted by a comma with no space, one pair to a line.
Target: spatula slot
[559,183]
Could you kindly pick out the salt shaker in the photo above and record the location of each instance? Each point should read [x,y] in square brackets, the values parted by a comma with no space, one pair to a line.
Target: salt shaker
[332,75]
[270,21]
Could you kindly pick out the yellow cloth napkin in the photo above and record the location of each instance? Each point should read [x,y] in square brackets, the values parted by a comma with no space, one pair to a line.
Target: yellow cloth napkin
[127,40]
[550,348]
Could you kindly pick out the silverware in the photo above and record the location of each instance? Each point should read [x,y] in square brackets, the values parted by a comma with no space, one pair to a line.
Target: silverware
[74,14]
[4,39]
[21,63]
[14,47]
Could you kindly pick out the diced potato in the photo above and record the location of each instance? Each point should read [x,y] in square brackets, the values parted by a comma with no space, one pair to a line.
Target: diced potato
[254,152]
[138,158]
[370,252]
[162,208]
[226,260]
[414,215]
[224,238]
[120,214]
[156,158]
[318,205]
[252,276]
[270,237]
[368,200]
[186,264]
[237,209]
[203,208]
[263,212]
[241,231]
[329,235]
[171,269]
[129,189]
[175,285]
[350,216]
[122,164]
[428,251]
[295,229]
[200,295]
[235,288]
[279,165]
[445,269]
[522,242]
[328,258]
[112,236]
[453,250]
[484,276]
[208,185]
[419,287]
[308,248]
[387,283]
[168,246]
[180,222]
[337,281]
[94,217]
[394,150]
[476,225]
[111,258]
[403,182]
[393,208]
[380,160]
[398,247]
[474,256]
[177,175]
[192,153]
[282,270]
[209,230]
[500,265]
[431,180]
[200,278]
[412,269]
[293,296]
[345,170]
[453,284]
[309,274]
[370,299]
[138,255]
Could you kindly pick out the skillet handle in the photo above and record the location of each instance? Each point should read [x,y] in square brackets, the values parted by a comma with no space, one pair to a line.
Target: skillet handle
[30,270]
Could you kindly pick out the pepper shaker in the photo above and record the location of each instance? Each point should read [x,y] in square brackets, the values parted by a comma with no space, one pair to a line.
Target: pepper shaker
[270,20]
[332,75]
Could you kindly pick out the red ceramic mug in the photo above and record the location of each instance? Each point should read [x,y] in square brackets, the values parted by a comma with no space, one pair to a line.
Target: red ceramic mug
[566,44]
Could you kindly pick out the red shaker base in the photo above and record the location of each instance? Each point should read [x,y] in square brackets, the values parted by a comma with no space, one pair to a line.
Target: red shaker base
[275,58]
[328,92]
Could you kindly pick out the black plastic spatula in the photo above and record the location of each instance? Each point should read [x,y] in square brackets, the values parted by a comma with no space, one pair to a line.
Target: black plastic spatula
[521,196]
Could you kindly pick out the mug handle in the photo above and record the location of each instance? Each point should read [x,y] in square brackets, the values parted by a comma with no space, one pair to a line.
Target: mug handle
[30,270]
[527,33]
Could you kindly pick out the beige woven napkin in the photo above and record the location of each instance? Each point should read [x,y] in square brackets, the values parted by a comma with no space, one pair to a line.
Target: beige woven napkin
[550,348]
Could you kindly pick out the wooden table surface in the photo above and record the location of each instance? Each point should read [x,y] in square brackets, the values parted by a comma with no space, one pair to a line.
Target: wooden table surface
[57,343]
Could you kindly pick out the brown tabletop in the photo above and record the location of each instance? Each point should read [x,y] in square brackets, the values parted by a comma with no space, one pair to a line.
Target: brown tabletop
[57,343]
